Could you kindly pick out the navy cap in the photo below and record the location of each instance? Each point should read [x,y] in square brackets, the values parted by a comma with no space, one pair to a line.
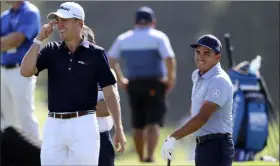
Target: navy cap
[210,42]
[144,15]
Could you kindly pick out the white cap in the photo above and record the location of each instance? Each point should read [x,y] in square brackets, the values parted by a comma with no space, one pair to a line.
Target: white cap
[68,10]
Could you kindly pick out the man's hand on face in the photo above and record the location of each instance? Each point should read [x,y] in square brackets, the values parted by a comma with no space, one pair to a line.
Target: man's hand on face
[46,30]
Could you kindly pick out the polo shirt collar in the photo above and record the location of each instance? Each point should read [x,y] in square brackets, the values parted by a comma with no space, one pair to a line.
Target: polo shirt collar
[84,43]
[142,28]
[212,71]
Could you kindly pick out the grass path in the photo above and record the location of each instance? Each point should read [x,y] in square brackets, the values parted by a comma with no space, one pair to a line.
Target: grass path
[129,158]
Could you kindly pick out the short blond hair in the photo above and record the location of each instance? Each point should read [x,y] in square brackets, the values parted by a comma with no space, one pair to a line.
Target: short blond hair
[88,34]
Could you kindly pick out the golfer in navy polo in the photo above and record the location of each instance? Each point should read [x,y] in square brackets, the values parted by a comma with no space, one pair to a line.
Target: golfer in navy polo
[75,67]
[211,108]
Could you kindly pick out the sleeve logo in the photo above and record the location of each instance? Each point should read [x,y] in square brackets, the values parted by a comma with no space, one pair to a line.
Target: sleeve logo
[216,93]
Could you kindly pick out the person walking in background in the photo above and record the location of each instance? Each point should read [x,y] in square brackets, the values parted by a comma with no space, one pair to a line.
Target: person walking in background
[105,121]
[75,68]
[19,25]
[211,109]
[150,67]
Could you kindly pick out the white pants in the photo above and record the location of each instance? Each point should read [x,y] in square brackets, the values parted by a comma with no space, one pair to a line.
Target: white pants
[105,123]
[74,141]
[17,101]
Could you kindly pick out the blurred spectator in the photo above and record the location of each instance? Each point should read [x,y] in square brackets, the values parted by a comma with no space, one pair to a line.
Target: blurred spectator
[144,51]
[19,25]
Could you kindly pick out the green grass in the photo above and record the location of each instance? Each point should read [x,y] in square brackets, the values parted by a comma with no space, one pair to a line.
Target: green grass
[129,157]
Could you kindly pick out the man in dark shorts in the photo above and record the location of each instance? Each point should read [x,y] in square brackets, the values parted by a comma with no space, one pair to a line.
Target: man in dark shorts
[145,52]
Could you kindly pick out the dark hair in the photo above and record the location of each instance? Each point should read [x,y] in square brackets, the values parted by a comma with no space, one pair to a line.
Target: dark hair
[88,34]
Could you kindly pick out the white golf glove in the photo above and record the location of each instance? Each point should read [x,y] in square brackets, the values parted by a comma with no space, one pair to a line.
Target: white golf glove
[168,148]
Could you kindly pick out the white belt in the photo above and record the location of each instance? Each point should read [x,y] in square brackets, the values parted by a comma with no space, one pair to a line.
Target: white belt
[105,123]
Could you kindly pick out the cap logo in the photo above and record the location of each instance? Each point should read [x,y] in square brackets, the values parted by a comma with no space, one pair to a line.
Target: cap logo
[64,8]
[76,15]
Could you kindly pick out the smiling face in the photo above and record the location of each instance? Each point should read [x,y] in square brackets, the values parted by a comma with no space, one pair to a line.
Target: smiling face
[205,58]
[69,29]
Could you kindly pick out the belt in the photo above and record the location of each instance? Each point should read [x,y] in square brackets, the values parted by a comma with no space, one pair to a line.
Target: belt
[10,66]
[70,115]
[204,138]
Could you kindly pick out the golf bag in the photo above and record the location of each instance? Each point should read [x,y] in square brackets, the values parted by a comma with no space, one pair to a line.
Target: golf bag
[250,115]
[19,148]
[254,111]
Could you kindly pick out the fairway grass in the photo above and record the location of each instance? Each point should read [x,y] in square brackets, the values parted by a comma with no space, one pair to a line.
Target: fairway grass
[129,157]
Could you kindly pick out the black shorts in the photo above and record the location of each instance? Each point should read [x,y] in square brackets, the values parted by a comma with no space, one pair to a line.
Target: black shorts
[147,102]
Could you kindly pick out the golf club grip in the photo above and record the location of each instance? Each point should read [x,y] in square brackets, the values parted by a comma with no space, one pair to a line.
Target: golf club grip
[168,162]
[229,49]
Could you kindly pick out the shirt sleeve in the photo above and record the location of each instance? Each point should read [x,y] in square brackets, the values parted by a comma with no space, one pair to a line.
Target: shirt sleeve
[43,60]
[2,27]
[29,24]
[104,75]
[165,48]
[4,22]
[218,91]
[114,51]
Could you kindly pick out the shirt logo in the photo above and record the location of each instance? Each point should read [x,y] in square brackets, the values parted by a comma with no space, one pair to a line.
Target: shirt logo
[82,63]
[216,93]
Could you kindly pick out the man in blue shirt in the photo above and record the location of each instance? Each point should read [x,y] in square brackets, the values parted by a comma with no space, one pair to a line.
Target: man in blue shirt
[75,69]
[19,25]
[150,71]
[211,108]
